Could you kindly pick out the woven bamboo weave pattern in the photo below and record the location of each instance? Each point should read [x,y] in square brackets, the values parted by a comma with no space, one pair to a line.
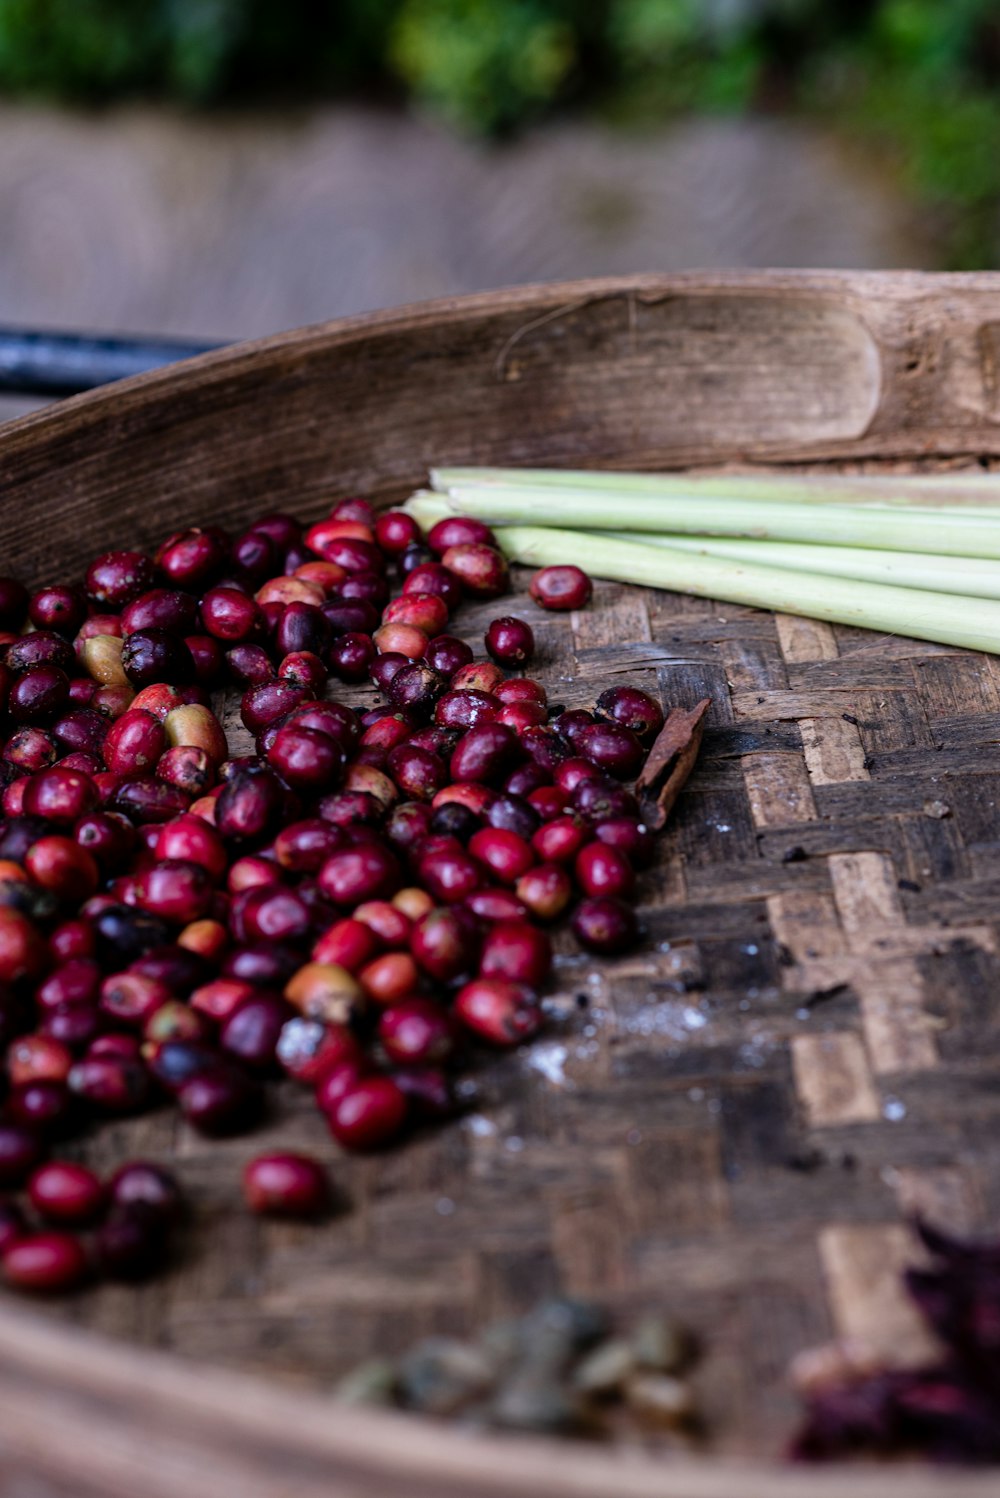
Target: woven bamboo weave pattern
[734,1120]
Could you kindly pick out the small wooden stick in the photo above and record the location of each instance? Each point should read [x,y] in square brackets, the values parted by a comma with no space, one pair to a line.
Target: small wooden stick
[670,762]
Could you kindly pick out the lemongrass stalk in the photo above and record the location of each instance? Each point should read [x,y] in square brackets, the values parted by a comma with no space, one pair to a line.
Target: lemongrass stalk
[919,489]
[427,508]
[937,532]
[912,612]
[969,577]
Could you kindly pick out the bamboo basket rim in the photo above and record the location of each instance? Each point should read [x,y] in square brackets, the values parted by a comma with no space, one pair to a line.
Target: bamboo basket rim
[134,1389]
[554,297]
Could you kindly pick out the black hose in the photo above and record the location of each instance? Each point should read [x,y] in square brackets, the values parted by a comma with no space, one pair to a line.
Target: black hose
[57,364]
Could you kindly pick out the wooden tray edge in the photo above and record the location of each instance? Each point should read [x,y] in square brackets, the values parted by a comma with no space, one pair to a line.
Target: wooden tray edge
[117,1420]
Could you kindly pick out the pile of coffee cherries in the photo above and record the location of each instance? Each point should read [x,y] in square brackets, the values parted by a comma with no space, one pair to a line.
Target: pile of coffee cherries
[358,904]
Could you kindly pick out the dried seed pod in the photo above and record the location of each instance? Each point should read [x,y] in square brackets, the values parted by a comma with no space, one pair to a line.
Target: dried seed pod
[661,1344]
[603,1371]
[441,1375]
[661,1400]
[540,1405]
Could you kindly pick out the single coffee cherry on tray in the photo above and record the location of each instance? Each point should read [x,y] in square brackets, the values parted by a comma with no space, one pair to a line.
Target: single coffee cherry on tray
[286,1185]
[561,588]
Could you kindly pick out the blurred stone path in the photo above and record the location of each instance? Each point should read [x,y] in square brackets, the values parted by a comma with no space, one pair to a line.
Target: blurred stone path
[148,221]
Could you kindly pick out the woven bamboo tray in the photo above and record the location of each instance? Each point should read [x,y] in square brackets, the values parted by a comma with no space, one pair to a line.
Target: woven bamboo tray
[803,1052]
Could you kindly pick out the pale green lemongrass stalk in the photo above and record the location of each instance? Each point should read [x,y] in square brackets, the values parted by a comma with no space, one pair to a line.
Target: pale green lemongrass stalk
[919,489]
[966,576]
[938,532]
[427,508]
[971,577]
[911,612]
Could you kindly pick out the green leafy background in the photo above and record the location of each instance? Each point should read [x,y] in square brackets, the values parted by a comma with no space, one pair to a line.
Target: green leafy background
[918,79]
